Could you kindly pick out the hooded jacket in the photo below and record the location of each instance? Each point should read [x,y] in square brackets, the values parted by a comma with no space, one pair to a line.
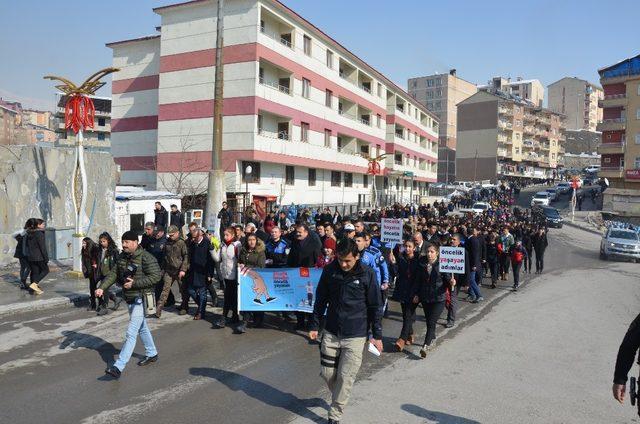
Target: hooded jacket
[176,257]
[429,285]
[227,257]
[146,276]
[36,247]
[253,258]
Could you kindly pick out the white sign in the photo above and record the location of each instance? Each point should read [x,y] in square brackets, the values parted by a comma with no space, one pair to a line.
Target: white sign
[391,231]
[452,259]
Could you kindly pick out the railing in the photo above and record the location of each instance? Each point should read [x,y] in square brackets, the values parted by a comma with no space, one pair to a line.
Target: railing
[612,168]
[622,119]
[615,96]
[277,37]
[614,144]
[275,86]
[528,129]
[364,121]
[400,135]
[279,135]
[367,89]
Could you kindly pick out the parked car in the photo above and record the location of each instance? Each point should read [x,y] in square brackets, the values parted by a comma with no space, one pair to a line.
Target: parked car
[592,169]
[477,208]
[553,194]
[552,217]
[620,242]
[564,187]
[542,198]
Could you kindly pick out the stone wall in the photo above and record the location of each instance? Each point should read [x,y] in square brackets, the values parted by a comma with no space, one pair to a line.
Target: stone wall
[36,182]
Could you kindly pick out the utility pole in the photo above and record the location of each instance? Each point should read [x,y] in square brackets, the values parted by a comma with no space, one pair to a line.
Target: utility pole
[475,167]
[215,187]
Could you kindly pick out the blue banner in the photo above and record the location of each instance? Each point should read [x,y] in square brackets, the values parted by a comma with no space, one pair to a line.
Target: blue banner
[277,289]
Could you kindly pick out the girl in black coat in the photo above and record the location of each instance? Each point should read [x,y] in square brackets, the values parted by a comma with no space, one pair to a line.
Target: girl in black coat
[429,288]
[492,258]
[37,255]
[21,253]
[90,268]
[108,259]
[407,263]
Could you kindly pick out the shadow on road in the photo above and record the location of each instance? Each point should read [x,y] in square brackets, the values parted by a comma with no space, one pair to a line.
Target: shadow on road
[436,417]
[77,340]
[263,392]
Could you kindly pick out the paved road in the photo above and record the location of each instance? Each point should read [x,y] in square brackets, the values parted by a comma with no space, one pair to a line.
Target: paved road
[51,363]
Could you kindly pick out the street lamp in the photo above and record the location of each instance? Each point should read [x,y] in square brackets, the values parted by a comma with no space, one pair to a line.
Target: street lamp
[247,171]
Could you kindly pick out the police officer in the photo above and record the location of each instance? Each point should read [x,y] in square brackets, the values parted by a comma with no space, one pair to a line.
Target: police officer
[626,354]
[381,269]
[349,293]
[138,271]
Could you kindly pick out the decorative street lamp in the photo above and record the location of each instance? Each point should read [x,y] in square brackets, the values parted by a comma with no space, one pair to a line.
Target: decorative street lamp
[79,113]
[374,169]
[247,171]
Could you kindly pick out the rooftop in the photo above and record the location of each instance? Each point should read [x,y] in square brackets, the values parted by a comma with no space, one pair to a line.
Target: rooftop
[139,193]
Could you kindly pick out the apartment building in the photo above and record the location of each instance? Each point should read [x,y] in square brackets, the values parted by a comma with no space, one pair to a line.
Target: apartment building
[531,90]
[8,125]
[620,126]
[501,135]
[39,118]
[441,93]
[98,137]
[299,108]
[578,100]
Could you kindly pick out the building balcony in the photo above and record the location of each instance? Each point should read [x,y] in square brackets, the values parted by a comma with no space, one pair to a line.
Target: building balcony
[528,129]
[613,100]
[528,117]
[505,125]
[613,124]
[505,140]
[611,148]
[505,110]
[545,146]
[611,172]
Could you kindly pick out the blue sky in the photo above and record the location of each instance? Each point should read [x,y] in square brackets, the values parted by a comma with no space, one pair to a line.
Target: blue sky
[543,39]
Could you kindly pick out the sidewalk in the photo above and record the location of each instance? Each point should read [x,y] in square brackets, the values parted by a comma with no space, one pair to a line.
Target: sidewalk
[585,220]
[59,290]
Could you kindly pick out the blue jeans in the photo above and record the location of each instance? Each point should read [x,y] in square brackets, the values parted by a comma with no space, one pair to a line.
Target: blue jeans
[137,326]
[474,289]
[199,295]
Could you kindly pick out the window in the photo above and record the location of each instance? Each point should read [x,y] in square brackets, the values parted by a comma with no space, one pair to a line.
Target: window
[328,98]
[379,121]
[304,131]
[429,83]
[283,130]
[429,94]
[259,124]
[261,25]
[638,138]
[365,181]
[380,90]
[254,176]
[348,179]
[312,177]
[101,122]
[438,105]
[364,150]
[336,178]
[306,84]
[438,93]
[385,183]
[339,144]
[637,113]
[289,175]
[438,82]
[307,45]
[398,158]
[606,159]
[638,89]
[101,136]
[637,163]
[327,138]
[329,59]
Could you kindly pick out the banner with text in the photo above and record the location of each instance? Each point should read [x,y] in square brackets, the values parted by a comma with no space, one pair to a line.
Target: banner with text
[277,289]
[391,231]
[452,259]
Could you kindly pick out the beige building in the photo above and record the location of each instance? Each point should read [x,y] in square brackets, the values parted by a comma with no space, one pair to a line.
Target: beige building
[441,93]
[501,135]
[577,99]
[531,89]
[99,136]
[8,125]
[37,117]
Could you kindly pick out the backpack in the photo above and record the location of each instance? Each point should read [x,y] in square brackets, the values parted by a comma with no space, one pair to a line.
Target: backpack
[517,256]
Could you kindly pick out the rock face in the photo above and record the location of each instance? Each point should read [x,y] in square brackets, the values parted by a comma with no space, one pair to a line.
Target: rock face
[36,182]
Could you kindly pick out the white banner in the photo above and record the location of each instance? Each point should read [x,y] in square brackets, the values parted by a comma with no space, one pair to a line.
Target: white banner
[452,259]
[391,231]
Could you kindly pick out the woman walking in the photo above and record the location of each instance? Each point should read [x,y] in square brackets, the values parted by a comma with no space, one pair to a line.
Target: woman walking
[518,256]
[429,288]
[227,257]
[107,261]
[492,259]
[407,263]
[90,258]
[37,255]
[21,253]
[252,255]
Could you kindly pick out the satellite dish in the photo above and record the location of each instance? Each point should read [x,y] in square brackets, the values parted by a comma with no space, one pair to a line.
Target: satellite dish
[606,181]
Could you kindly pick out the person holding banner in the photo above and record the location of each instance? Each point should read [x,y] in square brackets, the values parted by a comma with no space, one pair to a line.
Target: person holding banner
[349,293]
[252,255]
[227,257]
[429,288]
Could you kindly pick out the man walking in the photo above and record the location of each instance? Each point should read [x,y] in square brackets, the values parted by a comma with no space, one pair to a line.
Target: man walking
[305,251]
[175,265]
[176,217]
[349,292]
[225,217]
[138,271]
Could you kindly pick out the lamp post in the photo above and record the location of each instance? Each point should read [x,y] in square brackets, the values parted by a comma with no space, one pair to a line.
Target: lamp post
[247,171]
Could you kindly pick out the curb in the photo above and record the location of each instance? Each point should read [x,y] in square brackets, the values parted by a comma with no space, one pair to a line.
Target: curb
[42,305]
[571,224]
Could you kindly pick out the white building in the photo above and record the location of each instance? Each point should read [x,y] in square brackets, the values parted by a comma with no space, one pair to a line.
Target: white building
[300,108]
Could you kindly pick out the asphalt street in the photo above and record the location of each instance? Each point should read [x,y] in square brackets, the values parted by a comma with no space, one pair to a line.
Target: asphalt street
[542,355]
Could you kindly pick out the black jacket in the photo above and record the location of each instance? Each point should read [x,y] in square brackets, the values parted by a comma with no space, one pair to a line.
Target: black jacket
[540,243]
[36,247]
[225,218]
[474,249]
[21,247]
[304,253]
[406,271]
[161,217]
[156,248]
[176,218]
[430,287]
[627,352]
[492,252]
[201,264]
[352,301]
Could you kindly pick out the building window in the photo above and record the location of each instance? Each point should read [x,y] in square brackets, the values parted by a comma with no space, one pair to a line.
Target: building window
[429,94]
[380,90]
[397,183]
[259,124]
[312,177]
[101,122]
[365,181]
[438,105]
[328,98]
[637,163]
[638,138]
[364,150]
[304,131]
[385,183]
[254,176]
[329,59]
[348,179]
[429,83]
[306,84]
[307,45]
[327,138]
[289,175]
[637,113]
[398,158]
[606,159]
[438,82]
[336,178]
[101,136]
[438,93]
[379,121]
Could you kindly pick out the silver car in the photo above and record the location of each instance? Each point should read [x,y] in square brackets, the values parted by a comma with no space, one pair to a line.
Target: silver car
[620,242]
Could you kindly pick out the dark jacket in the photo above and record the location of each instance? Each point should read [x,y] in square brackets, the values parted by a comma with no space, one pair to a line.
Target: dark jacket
[161,217]
[146,276]
[253,258]
[225,218]
[36,247]
[89,259]
[107,263]
[492,252]
[304,253]
[474,252]
[21,246]
[406,271]
[176,257]
[277,252]
[201,264]
[156,248]
[352,302]
[430,287]
[540,243]
[627,352]
[176,218]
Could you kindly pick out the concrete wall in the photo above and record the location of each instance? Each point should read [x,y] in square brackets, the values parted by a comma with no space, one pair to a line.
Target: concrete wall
[36,183]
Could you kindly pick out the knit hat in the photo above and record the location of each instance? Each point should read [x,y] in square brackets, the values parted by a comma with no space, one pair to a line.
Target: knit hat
[173,229]
[130,236]
[349,227]
[329,243]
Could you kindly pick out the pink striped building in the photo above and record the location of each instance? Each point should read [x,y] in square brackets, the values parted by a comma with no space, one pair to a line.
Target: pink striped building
[299,107]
